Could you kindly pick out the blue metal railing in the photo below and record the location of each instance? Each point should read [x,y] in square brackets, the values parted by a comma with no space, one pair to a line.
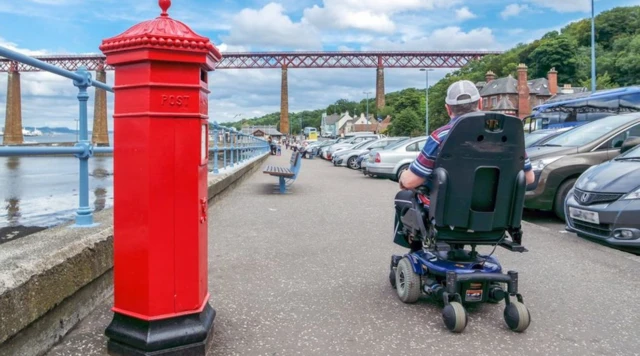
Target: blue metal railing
[230,148]
[83,149]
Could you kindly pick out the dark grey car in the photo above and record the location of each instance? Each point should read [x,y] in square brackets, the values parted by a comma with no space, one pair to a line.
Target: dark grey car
[558,163]
[605,201]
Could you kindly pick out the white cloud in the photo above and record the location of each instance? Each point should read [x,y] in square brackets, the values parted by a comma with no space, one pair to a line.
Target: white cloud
[372,15]
[15,47]
[565,5]
[270,27]
[444,39]
[513,10]
[464,13]
[223,47]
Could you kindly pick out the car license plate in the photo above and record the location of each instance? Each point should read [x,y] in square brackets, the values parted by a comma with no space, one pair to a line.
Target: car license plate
[584,215]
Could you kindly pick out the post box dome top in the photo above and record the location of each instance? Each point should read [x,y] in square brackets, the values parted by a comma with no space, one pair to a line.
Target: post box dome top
[162,32]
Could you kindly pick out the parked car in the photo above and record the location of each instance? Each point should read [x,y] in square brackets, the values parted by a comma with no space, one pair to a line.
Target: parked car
[339,154]
[315,150]
[605,201]
[347,143]
[559,162]
[370,157]
[539,137]
[348,158]
[324,149]
[390,163]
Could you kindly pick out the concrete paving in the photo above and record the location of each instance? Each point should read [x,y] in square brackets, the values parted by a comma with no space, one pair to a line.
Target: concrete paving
[306,273]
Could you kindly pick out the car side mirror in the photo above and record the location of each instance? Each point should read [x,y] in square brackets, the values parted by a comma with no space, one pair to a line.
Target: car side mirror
[629,143]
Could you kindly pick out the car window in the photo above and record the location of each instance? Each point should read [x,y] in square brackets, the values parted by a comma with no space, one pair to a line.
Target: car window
[589,132]
[416,146]
[634,152]
[617,141]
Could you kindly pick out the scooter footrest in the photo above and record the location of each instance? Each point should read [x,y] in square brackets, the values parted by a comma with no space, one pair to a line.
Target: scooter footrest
[512,246]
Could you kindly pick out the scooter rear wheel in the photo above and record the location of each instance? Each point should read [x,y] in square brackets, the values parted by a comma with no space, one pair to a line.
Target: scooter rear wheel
[407,282]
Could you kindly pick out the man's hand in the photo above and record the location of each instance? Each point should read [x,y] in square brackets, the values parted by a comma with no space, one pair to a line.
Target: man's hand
[408,180]
[400,181]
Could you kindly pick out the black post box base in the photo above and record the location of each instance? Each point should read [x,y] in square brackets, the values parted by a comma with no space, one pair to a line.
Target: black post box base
[186,335]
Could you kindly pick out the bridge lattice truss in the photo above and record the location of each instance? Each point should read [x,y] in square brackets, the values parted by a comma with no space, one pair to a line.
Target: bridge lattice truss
[285,59]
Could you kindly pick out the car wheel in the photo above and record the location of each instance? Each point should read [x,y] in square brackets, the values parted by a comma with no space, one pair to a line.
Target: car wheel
[561,195]
[402,169]
[352,162]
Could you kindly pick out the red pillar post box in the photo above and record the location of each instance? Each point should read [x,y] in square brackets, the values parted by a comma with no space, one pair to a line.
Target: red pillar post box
[160,188]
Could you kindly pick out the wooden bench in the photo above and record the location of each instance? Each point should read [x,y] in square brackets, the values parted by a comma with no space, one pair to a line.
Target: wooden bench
[283,173]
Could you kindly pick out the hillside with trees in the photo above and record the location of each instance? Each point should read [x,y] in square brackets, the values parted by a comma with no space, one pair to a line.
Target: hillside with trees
[568,50]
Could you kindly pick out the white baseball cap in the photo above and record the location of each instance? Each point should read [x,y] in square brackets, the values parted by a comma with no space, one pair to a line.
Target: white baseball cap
[462,92]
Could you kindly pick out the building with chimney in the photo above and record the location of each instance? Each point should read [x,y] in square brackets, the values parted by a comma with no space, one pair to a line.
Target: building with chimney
[517,96]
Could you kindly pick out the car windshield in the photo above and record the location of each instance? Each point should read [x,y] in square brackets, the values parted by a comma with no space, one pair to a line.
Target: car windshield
[631,154]
[536,136]
[361,144]
[586,133]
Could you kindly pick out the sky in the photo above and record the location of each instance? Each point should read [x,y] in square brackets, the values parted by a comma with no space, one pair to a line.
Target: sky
[43,27]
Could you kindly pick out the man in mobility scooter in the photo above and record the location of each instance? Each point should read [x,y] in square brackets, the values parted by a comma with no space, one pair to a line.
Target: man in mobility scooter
[466,187]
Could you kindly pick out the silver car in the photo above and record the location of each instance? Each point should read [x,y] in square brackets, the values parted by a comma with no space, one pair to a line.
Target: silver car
[339,155]
[348,158]
[391,162]
[348,144]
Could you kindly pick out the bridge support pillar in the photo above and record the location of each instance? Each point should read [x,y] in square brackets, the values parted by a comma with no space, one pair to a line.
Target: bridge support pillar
[284,102]
[100,135]
[13,119]
[161,154]
[380,86]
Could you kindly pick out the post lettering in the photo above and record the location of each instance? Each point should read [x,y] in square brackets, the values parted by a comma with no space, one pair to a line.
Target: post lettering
[175,100]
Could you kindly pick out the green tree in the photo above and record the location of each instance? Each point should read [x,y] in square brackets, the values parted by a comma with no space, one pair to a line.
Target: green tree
[602,82]
[406,123]
[558,52]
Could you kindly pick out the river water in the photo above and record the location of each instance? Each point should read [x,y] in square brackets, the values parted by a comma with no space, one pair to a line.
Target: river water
[43,191]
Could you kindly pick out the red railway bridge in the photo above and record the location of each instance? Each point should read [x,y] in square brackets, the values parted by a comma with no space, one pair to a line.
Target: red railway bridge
[257,60]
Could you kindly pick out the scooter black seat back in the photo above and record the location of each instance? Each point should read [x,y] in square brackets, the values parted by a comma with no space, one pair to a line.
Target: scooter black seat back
[478,182]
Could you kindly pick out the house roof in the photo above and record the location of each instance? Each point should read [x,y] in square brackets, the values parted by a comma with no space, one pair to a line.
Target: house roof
[331,119]
[509,85]
[506,85]
[577,93]
[504,105]
[539,86]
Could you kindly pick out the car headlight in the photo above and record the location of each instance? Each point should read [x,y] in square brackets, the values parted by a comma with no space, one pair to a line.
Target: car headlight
[633,195]
[539,165]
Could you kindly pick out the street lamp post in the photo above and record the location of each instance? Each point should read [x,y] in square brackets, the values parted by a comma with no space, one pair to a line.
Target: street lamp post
[367,93]
[77,129]
[593,47]
[426,115]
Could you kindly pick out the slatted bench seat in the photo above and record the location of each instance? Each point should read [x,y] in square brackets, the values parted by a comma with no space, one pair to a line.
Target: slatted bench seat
[279,171]
[284,173]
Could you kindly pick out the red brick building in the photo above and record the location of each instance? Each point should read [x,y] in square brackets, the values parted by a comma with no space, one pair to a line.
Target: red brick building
[517,96]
